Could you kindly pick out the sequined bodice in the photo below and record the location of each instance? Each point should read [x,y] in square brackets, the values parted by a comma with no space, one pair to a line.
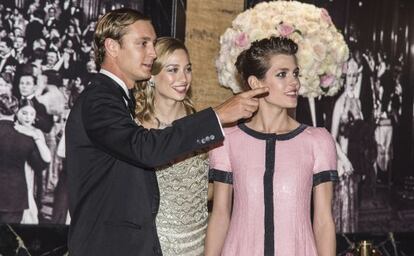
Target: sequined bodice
[182,214]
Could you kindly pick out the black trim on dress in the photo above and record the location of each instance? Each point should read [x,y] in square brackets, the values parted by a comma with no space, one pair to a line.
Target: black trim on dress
[325,176]
[220,176]
[271,139]
[269,225]
[265,136]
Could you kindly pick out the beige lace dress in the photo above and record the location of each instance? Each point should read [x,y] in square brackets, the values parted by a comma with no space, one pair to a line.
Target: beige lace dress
[182,214]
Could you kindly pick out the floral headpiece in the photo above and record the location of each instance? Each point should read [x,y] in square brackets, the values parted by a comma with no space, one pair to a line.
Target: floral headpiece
[322,49]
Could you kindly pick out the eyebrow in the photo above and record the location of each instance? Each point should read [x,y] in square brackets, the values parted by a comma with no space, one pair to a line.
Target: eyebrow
[287,69]
[176,65]
[171,65]
[147,39]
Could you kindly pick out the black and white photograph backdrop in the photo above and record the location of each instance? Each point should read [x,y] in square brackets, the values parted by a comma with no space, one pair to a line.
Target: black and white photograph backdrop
[46,61]
[371,118]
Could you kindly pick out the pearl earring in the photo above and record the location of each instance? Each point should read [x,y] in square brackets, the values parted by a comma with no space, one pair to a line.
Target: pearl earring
[151,82]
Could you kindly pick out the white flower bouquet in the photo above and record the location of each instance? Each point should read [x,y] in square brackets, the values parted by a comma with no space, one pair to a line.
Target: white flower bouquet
[322,49]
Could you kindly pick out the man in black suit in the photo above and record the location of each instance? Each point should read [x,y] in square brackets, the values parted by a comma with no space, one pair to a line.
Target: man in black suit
[52,21]
[34,30]
[27,88]
[7,62]
[71,11]
[113,191]
[320,116]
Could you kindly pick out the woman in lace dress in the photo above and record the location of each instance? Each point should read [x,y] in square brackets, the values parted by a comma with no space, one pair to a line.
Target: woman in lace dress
[182,215]
[355,146]
[346,110]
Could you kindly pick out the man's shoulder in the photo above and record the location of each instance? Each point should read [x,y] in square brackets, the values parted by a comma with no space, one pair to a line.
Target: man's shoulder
[101,82]
[7,128]
[98,78]
[98,86]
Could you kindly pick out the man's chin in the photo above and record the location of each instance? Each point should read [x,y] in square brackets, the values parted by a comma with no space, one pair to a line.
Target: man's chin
[144,76]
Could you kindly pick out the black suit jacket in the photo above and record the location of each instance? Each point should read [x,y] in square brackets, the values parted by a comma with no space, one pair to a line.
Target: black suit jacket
[113,191]
[53,23]
[367,104]
[323,111]
[10,62]
[33,32]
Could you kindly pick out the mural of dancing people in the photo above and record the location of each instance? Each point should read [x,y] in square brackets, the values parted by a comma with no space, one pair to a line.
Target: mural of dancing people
[46,61]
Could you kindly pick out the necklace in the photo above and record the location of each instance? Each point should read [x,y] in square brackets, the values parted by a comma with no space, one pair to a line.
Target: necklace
[161,124]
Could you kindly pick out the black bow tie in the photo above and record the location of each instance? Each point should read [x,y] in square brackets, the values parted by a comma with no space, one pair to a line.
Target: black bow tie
[25,101]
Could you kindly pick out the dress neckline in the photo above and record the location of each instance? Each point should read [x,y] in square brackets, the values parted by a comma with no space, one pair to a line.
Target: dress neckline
[266,136]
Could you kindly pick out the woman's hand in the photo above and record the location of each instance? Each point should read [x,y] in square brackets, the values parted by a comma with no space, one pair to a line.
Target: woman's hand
[24,129]
[30,131]
[38,138]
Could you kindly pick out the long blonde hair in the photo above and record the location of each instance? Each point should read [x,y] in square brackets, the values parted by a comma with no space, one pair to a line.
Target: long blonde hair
[144,92]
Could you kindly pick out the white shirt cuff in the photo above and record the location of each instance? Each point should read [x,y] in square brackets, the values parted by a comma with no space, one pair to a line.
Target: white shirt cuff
[221,126]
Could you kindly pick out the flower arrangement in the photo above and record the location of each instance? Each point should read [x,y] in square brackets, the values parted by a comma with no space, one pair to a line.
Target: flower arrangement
[322,49]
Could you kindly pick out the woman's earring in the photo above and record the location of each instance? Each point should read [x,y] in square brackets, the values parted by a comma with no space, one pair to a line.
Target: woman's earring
[151,82]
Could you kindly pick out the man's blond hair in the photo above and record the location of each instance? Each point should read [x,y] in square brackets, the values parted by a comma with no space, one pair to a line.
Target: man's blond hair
[113,25]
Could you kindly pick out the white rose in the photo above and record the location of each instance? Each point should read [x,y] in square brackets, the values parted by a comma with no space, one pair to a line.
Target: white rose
[319,51]
[342,53]
[305,57]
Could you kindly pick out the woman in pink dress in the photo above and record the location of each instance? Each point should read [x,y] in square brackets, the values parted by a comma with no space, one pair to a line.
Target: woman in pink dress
[268,167]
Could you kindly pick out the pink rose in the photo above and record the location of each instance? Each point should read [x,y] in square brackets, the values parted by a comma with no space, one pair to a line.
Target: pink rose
[241,40]
[285,30]
[327,81]
[325,16]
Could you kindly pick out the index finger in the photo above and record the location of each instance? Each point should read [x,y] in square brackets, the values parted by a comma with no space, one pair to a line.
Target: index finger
[254,92]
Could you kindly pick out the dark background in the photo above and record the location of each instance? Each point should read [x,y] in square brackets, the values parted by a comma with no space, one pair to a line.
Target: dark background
[168,16]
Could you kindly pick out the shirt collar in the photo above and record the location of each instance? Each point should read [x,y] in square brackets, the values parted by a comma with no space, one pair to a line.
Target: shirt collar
[116,79]
[37,19]
[30,97]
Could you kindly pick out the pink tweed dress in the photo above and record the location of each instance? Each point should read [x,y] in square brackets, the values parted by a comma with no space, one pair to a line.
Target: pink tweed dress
[272,177]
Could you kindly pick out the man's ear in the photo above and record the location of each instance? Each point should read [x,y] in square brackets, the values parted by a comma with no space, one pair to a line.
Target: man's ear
[254,82]
[112,47]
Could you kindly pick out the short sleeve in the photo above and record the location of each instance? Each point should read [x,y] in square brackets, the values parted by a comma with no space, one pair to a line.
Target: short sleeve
[324,150]
[220,167]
